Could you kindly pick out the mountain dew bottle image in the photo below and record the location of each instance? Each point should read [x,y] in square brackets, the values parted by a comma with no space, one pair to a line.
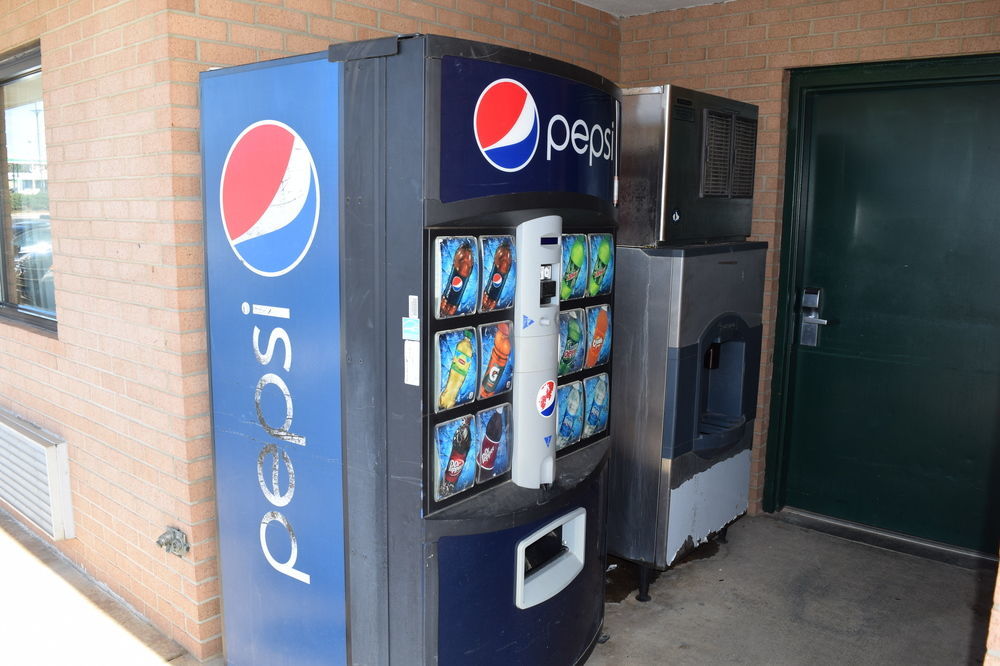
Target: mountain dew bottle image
[574,336]
[600,267]
[461,362]
[577,255]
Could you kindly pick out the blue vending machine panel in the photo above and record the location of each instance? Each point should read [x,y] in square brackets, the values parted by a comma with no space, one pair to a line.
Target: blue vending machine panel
[270,144]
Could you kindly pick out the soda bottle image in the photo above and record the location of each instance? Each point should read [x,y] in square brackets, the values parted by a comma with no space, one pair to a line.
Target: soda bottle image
[502,261]
[567,426]
[456,462]
[600,267]
[595,418]
[597,339]
[459,280]
[488,450]
[577,255]
[461,362]
[498,360]
[574,334]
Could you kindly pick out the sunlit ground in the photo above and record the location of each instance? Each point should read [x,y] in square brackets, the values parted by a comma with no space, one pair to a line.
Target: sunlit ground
[45,620]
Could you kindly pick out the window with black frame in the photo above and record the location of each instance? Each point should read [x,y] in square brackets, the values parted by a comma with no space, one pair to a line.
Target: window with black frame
[26,289]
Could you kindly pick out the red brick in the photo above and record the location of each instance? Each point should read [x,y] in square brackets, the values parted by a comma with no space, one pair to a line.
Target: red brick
[940,47]
[981,44]
[888,52]
[227,9]
[964,28]
[280,18]
[911,33]
[837,24]
[984,8]
[794,29]
[813,43]
[688,28]
[883,19]
[860,38]
[767,46]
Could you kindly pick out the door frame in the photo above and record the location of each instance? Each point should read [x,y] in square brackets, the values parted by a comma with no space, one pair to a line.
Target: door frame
[802,83]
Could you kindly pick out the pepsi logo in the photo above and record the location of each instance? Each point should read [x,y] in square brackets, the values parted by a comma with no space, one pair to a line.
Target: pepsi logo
[497,280]
[456,283]
[506,125]
[269,198]
[546,398]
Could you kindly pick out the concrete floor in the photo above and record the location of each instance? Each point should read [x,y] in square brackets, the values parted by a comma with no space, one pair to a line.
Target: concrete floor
[778,594]
[773,594]
[52,614]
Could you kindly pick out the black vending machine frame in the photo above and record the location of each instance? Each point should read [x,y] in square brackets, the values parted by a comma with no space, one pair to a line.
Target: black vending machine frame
[390,211]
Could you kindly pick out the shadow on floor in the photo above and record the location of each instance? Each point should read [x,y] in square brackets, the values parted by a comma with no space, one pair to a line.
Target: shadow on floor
[781,594]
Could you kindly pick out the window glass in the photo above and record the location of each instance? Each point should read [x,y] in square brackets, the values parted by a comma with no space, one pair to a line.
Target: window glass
[27,252]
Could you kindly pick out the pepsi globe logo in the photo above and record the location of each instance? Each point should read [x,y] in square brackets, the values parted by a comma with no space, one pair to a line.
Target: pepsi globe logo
[269,196]
[497,280]
[456,283]
[506,125]
[546,399]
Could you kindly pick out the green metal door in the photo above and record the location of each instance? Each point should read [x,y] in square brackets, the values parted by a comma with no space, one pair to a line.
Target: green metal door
[892,419]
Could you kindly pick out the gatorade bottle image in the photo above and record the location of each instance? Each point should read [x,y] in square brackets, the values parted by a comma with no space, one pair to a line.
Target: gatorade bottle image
[461,269]
[598,336]
[461,363]
[601,261]
[499,358]
[502,261]
[573,265]
[460,444]
[568,361]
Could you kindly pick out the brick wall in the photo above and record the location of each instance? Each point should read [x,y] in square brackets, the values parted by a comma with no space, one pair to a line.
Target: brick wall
[125,381]
[743,49]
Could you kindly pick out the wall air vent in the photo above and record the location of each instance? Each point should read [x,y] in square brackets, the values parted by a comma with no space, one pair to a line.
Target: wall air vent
[35,479]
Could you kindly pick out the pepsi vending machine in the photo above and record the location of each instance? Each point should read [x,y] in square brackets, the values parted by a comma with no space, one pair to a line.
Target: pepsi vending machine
[410,261]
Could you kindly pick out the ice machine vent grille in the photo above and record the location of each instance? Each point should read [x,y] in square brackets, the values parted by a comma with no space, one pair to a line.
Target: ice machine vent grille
[744,156]
[717,154]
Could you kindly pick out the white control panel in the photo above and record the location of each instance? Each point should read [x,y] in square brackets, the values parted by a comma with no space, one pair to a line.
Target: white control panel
[536,341]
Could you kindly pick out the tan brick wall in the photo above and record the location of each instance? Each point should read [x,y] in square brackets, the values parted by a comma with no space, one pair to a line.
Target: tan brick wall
[125,382]
[743,49]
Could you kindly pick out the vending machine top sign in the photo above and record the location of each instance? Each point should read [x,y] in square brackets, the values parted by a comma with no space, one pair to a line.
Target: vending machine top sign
[509,129]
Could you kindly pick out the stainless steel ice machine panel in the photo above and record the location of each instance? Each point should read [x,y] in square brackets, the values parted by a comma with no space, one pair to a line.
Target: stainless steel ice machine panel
[686,357]
[686,167]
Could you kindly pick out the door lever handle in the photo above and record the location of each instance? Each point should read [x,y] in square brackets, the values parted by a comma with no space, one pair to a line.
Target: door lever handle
[811,321]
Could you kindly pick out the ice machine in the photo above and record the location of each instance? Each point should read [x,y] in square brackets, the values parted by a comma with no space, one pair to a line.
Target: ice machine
[688,324]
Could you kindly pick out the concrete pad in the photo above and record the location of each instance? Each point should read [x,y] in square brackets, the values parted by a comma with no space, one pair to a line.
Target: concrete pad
[51,613]
[781,594]
[774,594]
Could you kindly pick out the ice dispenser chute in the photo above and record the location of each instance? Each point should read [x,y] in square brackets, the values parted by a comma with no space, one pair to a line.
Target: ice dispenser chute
[718,376]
